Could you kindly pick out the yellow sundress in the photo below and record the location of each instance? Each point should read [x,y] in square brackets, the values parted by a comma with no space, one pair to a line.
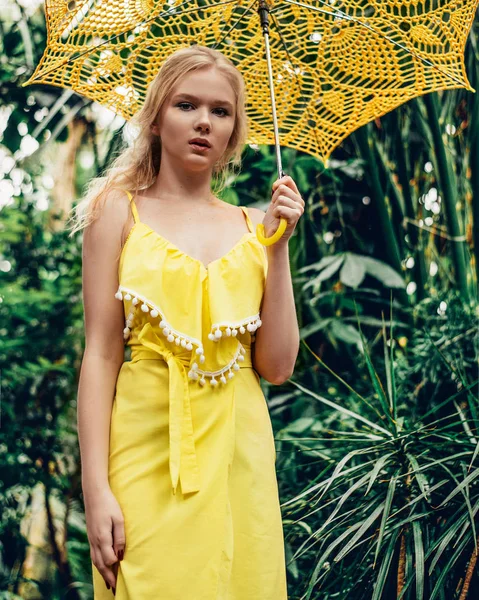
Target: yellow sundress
[192,454]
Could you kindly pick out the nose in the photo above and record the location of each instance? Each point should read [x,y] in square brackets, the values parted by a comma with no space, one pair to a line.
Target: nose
[203,121]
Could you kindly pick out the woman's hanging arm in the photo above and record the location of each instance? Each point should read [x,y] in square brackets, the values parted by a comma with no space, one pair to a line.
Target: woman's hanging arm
[104,343]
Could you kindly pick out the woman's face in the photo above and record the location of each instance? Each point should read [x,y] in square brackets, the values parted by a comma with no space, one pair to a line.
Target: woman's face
[201,105]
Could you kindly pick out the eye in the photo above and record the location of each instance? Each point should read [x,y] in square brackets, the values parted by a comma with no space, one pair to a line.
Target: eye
[188,104]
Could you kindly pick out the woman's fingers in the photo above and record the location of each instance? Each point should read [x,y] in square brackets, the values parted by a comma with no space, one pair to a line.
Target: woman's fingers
[287,192]
[115,573]
[106,558]
[108,555]
[106,535]
[287,182]
[105,571]
[119,536]
[289,203]
[289,213]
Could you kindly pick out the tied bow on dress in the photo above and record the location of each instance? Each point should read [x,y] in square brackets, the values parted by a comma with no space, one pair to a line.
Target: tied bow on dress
[183,461]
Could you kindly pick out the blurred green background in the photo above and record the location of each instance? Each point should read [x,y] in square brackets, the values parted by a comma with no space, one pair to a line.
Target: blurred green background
[377,431]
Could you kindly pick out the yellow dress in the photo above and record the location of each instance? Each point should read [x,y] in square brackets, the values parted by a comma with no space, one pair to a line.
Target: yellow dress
[192,454]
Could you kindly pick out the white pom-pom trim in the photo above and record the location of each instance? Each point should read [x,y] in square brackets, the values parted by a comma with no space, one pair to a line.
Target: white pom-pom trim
[218,332]
[233,365]
[231,329]
[147,306]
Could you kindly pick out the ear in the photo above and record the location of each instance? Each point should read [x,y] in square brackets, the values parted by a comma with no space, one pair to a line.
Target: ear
[155,128]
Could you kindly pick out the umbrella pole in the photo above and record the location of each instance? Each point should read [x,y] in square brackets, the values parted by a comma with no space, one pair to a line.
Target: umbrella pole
[263,13]
[263,10]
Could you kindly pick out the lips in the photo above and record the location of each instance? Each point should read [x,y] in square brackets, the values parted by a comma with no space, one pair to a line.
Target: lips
[200,142]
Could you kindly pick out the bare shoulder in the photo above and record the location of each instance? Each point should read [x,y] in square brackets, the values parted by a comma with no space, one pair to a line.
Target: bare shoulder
[101,252]
[256,214]
[112,221]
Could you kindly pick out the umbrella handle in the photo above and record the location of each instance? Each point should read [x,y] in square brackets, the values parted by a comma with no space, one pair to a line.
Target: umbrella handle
[272,239]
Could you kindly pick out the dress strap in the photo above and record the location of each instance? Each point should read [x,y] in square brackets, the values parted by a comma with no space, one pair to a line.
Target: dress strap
[134,210]
[248,219]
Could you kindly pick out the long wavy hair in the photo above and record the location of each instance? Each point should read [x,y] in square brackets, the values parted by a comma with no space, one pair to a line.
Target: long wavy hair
[138,164]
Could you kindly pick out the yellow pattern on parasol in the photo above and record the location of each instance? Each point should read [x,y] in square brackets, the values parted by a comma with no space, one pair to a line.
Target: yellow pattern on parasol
[335,64]
[341,76]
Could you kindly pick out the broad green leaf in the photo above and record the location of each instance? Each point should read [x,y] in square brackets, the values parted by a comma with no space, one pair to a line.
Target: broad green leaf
[346,333]
[383,272]
[331,270]
[353,270]
[324,262]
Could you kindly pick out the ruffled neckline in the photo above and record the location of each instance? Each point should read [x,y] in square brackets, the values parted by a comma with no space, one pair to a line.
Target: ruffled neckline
[184,299]
[246,237]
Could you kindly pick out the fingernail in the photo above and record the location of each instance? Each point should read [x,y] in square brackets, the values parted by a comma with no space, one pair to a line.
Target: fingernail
[107,585]
[120,554]
[114,591]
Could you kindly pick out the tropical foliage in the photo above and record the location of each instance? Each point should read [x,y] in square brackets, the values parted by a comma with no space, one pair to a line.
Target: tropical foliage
[376,432]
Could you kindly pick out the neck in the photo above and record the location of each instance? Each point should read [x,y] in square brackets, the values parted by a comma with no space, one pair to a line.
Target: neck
[181,186]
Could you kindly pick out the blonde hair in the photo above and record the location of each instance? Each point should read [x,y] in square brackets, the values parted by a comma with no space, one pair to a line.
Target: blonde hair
[138,165]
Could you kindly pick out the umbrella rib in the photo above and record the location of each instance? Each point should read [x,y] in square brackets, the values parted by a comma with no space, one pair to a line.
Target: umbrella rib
[248,9]
[347,17]
[295,75]
[336,13]
[71,58]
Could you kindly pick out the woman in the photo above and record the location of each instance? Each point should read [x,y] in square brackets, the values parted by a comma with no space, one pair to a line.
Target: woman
[177,448]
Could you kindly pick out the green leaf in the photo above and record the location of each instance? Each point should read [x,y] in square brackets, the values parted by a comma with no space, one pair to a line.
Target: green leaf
[328,272]
[387,509]
[346,333]
[419,552]
[375,378]
[377,468]
[341,409]
[313,327]
[323,263]
[460,487]
[446,570]
[366,524]
[300,425]
[383,272]
[353,270]
[384,568]
[321,561]
[420,478]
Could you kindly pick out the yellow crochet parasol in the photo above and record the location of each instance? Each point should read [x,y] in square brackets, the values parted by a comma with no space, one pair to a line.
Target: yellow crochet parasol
[331,65]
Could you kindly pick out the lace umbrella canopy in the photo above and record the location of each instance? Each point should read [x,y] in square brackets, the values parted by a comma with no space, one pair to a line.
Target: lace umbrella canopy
[332,65]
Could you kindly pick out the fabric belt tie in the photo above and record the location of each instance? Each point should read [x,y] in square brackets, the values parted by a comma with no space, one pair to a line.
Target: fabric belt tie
[183,462]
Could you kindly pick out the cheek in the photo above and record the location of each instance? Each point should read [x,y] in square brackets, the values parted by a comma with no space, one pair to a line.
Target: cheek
[228,132]
[175,118]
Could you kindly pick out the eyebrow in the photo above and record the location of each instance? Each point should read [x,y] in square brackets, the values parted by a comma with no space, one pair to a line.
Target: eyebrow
[194,98]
